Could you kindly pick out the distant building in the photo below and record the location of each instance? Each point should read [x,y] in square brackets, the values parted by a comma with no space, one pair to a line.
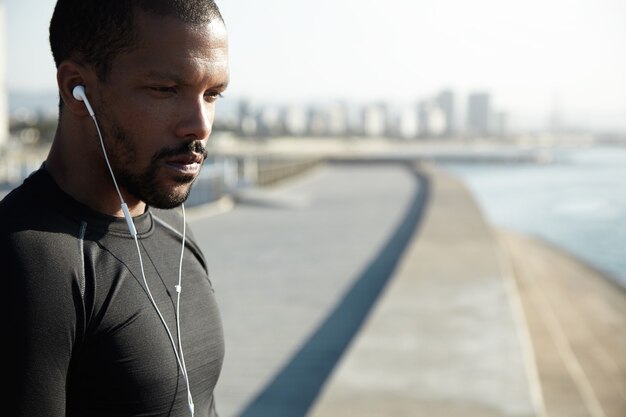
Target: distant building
[422,118]
[317,121]
[338,121]
[375,120]
[432,119]
[296,120]
[500,124]
[407,123]
[270,121]
[4,107]
[355,120]
[246,119]
[478,113]
[445,101]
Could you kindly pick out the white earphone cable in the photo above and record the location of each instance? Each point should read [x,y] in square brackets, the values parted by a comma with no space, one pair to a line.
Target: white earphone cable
[178,352]
[178,327]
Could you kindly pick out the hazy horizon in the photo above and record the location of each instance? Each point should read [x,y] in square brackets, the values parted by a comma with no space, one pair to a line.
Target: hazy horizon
[537,59]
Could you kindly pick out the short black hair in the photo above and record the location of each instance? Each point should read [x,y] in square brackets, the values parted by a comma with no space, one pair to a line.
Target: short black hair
[94,32]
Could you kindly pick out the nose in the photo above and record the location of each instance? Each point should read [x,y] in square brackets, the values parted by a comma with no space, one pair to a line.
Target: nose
[196,119]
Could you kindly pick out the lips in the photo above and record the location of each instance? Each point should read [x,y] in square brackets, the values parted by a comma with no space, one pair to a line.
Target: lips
[185,164]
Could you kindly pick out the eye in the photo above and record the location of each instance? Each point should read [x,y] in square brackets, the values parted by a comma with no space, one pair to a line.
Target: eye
[163,90]
[212,97]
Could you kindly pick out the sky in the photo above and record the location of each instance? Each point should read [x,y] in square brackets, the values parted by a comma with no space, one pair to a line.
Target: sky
[535,57]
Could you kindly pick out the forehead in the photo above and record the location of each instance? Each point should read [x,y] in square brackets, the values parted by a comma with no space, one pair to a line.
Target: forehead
[166,42]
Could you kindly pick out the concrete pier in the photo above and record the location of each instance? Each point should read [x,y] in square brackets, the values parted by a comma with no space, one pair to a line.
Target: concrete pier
[296,269]
[470,321]
[444,338]
[577,322]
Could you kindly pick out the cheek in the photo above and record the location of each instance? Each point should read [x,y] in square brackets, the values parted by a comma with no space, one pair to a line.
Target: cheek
[148,126]
[140,108]
[150,114]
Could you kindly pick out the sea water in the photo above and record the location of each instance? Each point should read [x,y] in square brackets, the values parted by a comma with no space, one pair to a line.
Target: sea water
[576,202]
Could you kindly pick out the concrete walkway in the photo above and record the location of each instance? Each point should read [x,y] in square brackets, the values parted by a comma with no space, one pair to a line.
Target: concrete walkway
[577,320]
[296,268]
[479,322]
[444,339]
[472,322]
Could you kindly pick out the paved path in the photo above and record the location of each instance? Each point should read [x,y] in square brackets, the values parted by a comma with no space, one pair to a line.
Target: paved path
[577,319]
[443,341]
[467,322]
[283,260]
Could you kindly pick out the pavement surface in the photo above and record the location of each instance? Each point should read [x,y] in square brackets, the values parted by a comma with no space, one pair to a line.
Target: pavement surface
[577,320]
[284,262]
[370,290]
[444,338]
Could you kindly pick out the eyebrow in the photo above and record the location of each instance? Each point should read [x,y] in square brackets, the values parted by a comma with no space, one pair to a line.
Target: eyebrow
[172,76]
[223,86]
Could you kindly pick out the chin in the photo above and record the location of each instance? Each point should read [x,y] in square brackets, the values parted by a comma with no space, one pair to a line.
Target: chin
[172,199]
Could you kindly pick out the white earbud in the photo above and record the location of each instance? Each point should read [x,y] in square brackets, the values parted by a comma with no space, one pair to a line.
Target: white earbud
[79,94]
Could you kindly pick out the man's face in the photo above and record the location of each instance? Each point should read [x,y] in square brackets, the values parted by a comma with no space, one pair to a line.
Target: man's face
[157,107]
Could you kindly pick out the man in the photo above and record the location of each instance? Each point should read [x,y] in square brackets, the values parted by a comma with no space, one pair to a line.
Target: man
[100,320]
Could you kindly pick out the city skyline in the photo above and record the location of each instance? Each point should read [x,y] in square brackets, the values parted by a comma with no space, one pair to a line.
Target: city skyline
[441,115]
[541,61]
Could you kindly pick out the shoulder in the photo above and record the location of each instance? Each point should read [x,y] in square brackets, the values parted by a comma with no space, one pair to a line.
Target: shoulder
[18,213]
[34,232]
[20,201]
[33,200]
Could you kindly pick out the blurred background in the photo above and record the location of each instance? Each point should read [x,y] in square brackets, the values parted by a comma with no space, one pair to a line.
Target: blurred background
[522,103]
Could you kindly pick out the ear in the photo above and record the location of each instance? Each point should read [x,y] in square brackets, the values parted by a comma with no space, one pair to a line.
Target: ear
[69,75]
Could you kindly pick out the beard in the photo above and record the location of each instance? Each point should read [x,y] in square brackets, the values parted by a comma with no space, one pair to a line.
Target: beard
[145,184]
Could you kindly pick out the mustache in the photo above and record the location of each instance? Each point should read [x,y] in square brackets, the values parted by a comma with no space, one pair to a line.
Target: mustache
[184,149]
